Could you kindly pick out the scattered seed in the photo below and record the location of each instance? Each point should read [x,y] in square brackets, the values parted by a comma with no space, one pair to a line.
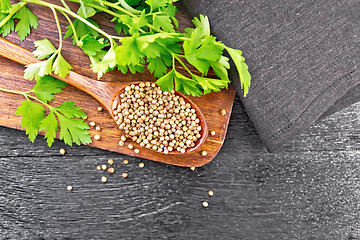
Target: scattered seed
[121,143]
[98,128]
[98,167]
[130,146]
[123,138]
[205,204]
[104,179]
[223,112]
[111,170]
[92,124]
[141,165]
[212,133]
[126,161]
[204,153]
[103,167]
[99,109]
[84,117]
[69,188]
[111,162]
[62,151]
[192,168]
[211,193]
[125,175]
[97,137]
[136,150]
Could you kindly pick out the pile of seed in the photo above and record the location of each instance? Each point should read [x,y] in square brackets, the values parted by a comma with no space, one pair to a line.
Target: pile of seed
[157,120]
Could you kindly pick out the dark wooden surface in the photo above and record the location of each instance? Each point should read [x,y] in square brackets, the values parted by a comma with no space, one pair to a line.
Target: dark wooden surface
[11,77]
[311,190]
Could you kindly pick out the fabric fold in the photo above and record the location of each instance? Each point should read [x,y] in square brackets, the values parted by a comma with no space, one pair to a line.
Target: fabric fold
[303,57]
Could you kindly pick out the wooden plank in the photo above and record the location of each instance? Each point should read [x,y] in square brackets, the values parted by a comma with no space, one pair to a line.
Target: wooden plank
[11,77]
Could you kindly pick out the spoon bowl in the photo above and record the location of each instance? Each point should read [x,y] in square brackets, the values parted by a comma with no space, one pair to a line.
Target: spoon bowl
[204,128]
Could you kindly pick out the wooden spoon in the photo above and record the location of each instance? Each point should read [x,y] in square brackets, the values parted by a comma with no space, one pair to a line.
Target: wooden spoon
[107,93]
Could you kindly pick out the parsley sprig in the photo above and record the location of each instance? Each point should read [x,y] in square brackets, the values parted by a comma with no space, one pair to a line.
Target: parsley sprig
[67,116]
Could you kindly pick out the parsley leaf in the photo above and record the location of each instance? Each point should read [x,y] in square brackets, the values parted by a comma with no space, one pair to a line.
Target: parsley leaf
[163,22]
[242,68]
[108,62]
[44,49]
[166,82]
[61,67]
[182,83]
[73,130]
[70,110]
[91,45]
[50,125]
[8,27]
[46,87]
[27,20]
[32,114]
[211,85]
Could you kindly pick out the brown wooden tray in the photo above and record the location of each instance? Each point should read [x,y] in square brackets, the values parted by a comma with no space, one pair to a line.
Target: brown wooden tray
[11,77]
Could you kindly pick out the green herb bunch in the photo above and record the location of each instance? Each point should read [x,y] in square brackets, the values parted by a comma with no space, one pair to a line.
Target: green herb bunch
[147,38]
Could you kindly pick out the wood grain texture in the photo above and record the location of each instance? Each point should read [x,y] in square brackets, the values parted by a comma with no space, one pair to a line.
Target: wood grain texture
[308,191]
[12,74]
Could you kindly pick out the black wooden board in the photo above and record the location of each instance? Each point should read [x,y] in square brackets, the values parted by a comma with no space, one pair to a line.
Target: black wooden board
[311,190]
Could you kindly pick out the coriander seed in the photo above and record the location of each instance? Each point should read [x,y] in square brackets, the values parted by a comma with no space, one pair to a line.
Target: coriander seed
[104,179]
[84,117]
[103,167]
[99,109]
[141,165]
[130,146]
[123,138]
[204,153]
[136,150]
[121,143]
[111,170]
[111,162]
[98,168]
[69,188]
[97,137]
[223,112]
[126,161]
[205,204]
[92,124]
[212,133]
[211,193]
[62,151]
[125,175]
[192,168]
[98,128]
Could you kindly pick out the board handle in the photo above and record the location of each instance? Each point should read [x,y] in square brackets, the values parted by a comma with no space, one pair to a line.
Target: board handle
[97,89]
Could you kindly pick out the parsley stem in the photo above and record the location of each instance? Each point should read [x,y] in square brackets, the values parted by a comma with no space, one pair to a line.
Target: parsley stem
[38,100]
[12,91]
[59,8]
[182,64]
[127,7]
[59,28]
[65,5]
[72,27]
[15,8]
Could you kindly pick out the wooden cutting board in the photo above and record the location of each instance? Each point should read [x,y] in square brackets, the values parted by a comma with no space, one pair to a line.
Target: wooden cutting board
[11,77]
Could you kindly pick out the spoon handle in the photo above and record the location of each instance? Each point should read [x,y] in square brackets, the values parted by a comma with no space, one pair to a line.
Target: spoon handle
[101,91]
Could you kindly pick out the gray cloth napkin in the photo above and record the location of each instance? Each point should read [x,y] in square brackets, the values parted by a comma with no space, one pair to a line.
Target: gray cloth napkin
[303,57]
